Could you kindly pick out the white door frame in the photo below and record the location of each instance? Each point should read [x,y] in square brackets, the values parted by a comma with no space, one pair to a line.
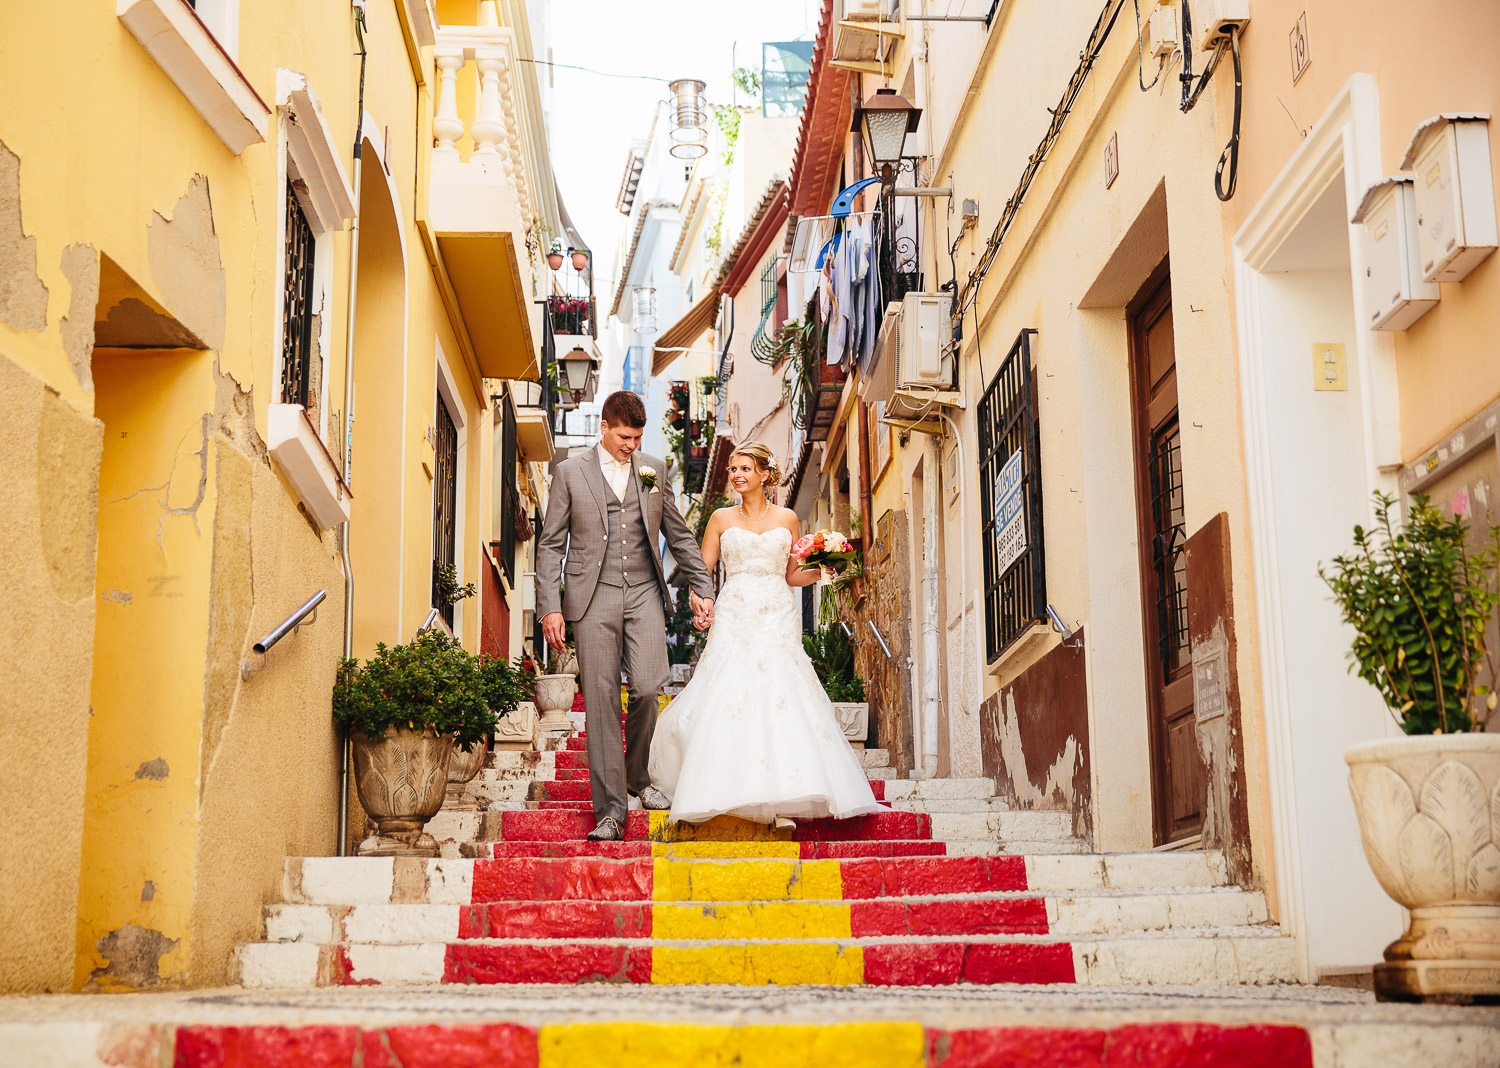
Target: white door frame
[1347,138]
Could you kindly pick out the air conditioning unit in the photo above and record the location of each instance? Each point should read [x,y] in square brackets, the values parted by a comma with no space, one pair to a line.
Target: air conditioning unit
[924,358]
[865,10]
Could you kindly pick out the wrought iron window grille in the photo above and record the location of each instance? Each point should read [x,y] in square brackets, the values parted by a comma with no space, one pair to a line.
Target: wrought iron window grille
[296,304]
[1015,581]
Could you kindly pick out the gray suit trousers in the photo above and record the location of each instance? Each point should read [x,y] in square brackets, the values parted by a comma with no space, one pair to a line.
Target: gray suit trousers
[622,627]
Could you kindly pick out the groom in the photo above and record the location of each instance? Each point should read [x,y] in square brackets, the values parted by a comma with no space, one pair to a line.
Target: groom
[606,510]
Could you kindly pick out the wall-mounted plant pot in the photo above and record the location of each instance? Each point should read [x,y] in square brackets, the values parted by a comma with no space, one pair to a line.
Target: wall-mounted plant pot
[580,260]
[554,260]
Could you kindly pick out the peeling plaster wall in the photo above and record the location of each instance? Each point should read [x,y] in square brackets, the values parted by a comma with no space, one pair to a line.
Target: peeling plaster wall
[886,601]
[49,452]
[1035,737]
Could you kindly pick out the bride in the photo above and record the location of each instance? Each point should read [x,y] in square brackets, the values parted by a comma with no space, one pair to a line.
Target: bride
[753,734]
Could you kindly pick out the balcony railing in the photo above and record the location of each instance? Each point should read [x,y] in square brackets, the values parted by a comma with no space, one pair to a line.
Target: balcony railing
[494,130]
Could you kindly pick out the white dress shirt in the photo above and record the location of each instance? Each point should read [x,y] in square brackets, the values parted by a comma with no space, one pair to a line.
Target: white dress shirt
[616,472]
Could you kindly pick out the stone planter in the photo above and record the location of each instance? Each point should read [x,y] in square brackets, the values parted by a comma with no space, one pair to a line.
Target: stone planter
[554,696]
[462,767]
[1429,817]
[517,729]
[854,720]
[401,780]
[567,662]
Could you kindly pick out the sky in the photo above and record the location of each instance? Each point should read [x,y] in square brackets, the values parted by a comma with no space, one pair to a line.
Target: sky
[593,119]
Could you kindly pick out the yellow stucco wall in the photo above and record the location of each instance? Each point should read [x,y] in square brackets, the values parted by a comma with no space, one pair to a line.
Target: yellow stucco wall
[159,791]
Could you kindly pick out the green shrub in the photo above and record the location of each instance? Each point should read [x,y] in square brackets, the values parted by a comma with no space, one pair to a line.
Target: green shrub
[1420,601]
[832,656]
[431,683]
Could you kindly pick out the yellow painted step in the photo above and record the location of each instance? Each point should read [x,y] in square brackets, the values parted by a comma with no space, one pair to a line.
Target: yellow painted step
[778,963]
[753,919]
[853,1045]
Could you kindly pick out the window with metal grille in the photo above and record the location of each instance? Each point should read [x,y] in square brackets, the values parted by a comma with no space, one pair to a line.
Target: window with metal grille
[1169,549]
[1010,490]
[760,344]
[296,305]
[444,503]
[510,495]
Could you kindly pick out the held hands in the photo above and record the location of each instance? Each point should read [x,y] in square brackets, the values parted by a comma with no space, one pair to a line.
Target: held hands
[703,611]
[554,629]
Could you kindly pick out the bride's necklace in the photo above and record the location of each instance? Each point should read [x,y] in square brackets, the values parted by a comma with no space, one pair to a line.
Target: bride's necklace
[764,512]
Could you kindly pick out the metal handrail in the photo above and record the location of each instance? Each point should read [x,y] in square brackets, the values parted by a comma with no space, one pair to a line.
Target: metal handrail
[308,613]
[428,623]
[884,648]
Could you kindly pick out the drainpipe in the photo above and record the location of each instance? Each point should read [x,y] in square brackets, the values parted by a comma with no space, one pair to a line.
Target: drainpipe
[359,29]
[931,694]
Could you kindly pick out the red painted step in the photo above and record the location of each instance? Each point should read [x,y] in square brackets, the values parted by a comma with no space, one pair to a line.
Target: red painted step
[560,826]
[809,850]
[626,877]
[502,1045]
[933,963]
[575,786]
[631,920]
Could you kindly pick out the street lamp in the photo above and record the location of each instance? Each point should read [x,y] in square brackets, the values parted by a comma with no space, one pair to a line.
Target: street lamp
[690,130]
[884,120]
[577,366]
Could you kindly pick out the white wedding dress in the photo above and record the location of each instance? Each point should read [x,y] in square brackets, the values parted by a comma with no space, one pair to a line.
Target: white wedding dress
[753,733]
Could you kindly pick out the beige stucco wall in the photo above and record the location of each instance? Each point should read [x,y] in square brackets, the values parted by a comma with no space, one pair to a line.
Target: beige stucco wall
[1425,61]
[1067,268]
[50,454]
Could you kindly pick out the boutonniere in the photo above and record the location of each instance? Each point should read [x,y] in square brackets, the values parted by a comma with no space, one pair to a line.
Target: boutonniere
[648,477]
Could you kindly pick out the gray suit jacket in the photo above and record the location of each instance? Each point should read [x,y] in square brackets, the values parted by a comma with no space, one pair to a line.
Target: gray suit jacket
[576,525]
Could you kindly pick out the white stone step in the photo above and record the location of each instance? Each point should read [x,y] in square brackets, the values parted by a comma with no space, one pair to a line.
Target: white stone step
[886,773]
[519,760]
[935,789]
[1098,914]
[483,791]
[950,804]
[1127,871]
[874,758]
[1002,826]
[1227,956]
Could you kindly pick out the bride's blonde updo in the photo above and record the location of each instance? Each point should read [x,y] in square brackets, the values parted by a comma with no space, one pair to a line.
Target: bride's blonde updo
[764,462]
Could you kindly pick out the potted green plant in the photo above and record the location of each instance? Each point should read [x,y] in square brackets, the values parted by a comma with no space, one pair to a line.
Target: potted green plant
[404,710]
[1420,599]
[832,655]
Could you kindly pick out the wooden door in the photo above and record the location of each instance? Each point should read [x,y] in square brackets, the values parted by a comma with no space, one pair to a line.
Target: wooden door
[1178,778]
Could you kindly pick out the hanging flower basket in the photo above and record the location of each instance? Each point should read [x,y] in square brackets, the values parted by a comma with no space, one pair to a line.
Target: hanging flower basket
[580,259]
[554,260]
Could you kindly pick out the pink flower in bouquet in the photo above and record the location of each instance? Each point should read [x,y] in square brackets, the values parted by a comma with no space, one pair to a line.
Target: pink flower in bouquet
[803,547]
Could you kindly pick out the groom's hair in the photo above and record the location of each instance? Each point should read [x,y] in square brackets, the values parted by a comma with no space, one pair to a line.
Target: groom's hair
[624,408]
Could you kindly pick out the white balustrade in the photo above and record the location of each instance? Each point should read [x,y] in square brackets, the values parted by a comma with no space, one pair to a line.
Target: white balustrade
[496,127]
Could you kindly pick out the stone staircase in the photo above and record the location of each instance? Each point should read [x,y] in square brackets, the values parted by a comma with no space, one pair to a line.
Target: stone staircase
[947,887]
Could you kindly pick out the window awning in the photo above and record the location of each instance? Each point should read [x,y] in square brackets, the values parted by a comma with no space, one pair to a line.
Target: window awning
[681,334]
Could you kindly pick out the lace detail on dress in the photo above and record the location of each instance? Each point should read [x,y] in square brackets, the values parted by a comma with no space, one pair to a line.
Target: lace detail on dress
[755,604]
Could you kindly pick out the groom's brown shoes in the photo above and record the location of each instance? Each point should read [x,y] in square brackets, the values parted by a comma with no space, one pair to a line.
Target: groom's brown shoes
[607,830]
[654,800]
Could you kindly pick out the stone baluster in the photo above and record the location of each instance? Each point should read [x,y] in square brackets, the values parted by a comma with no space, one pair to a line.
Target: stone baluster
[446,125]
[488,127]
[515,163]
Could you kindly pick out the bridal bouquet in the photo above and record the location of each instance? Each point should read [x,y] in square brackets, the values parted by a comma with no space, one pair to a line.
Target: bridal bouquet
[827,549]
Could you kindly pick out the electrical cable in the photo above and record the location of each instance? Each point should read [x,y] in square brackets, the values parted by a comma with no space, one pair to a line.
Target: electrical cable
[591,70]
[1140,55]
[1231,153]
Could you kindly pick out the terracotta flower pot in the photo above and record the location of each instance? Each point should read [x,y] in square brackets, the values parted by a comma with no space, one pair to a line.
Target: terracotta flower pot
[1429,818]
[401,780]
[580,260]
[554,260]
[462,767]
[554,696]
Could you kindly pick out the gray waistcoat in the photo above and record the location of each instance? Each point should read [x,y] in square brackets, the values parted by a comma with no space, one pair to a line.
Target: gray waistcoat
[626,559]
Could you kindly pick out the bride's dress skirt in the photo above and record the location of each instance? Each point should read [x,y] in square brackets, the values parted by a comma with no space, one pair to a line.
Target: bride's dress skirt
[753,734]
